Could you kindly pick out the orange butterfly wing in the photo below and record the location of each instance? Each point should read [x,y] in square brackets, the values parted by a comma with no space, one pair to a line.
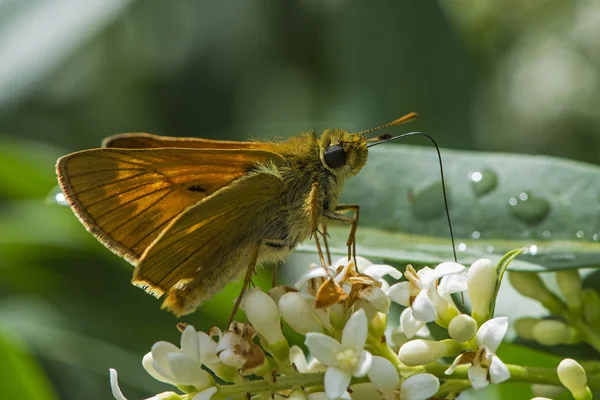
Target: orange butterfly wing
[148,140]
[126,197]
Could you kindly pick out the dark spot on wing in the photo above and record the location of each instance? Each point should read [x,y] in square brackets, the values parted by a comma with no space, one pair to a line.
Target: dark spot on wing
[197,189]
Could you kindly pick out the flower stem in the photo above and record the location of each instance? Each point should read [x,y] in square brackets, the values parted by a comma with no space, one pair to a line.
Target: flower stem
[282,383]
[518,373]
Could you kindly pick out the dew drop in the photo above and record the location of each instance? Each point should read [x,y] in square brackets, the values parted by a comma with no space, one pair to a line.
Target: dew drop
[462,247]
[523,196]
[529,209]
[489,249]
[580,234]
[476,234]
[546,234]
[56,196]
[533,249]
[428,203]
[483,182]
[596,237]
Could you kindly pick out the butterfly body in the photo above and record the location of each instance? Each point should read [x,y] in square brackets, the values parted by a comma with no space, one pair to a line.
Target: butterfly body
[194,214]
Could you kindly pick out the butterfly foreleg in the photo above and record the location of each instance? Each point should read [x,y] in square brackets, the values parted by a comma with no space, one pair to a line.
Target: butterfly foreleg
[353,221]
[311,207]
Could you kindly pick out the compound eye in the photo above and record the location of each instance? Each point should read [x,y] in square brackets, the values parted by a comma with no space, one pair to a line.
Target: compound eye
[335,156]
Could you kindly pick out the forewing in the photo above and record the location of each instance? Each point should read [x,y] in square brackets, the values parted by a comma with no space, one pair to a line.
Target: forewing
[147,140]
[207,241]
[127,197]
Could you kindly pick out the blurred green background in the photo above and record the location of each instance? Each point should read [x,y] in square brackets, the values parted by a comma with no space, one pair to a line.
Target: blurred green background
[518,76]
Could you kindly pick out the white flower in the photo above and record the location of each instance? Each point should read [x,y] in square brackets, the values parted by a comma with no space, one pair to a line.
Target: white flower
[298,310]
[383,375]
[262,313]
[419,351]
[118,395]
[485,366]
[345,359]
[167,363]
[419,387]
[462,328]
[237,349]
[419,293]
[481,282]
[572,375]
[299,360]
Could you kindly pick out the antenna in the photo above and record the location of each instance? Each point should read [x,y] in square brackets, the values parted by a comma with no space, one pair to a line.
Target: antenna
[437,149]
[406,118]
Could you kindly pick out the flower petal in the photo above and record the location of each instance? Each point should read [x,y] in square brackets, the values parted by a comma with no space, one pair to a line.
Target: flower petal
[383,374]
[354,334]
[419,387]
[377,297]
[189,343]
[498,371]
[443,269]
[364,364]
[323,347]
[114,385]
[400,293]
[298,358]
[491,333]
[422,307]
[478,377]
[455,283]
[317,272]
[160,351]
[208,349]
[378,271]
[336,382]
[410,325]
[147,363]
[188,371]
[206,394]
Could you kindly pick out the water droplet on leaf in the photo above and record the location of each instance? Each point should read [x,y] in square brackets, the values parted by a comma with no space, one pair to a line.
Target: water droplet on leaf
[529,209]
[428,203]
[483,182]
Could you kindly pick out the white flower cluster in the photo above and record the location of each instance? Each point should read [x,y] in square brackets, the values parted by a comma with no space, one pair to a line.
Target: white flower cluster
[345,323]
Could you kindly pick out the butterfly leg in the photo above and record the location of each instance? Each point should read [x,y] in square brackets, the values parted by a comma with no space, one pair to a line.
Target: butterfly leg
[250,271]
[311,207]
[327,252]
[353,221]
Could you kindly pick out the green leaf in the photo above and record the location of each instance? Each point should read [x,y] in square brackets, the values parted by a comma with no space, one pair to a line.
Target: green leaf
[501,268]
[498,202]
[21,376]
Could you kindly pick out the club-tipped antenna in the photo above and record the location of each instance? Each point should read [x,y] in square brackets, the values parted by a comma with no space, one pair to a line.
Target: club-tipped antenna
[439,154]
[406,118]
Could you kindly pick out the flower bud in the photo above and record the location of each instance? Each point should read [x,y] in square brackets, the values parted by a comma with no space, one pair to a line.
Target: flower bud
[546,391]
[591,306]
[524,327]
[462,328]
[530,285]
[262,313]
[552,333]
[569,283]
[572,375]
[481,284]
[419,352]
[297,394]
[299,315]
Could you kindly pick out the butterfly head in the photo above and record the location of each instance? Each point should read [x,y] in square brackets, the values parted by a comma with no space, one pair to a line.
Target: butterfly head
[342,152]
